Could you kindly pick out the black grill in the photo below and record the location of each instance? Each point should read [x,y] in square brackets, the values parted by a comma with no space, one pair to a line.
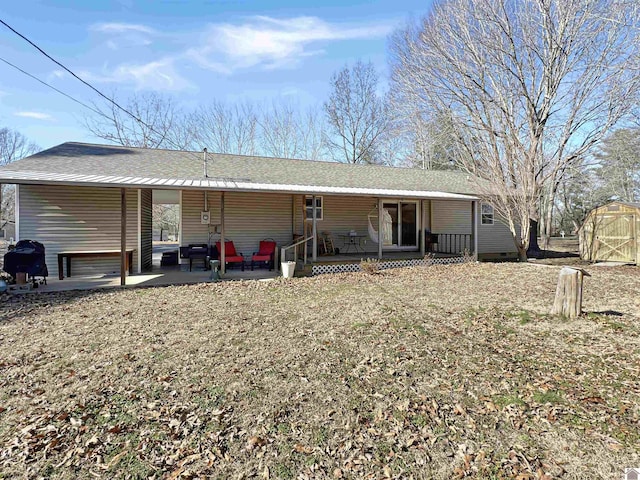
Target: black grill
[27,257]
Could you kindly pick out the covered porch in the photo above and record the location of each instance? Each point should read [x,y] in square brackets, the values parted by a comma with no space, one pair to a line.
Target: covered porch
[311,229]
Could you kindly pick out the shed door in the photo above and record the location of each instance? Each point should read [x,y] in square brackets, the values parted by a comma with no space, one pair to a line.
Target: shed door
[616,240]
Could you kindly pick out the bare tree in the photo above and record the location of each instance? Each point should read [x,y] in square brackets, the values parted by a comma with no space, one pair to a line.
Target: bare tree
[13,146]
[166,219]
[286,131]
[156,123]
[279,130]
[312,133]
[356,114]
[530,86]
[580,192]
[618,157]
[226,128]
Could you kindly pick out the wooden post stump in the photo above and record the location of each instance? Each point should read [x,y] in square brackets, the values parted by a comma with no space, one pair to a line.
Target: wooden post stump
[568,302]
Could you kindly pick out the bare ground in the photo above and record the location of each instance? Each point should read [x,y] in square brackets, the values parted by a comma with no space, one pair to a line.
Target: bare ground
[428,372]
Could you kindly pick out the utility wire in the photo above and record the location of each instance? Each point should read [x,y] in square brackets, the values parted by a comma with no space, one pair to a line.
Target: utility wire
[110,100]
[52,87]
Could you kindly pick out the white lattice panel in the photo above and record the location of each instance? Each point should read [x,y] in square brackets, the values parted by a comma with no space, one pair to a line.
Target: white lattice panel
[411,262]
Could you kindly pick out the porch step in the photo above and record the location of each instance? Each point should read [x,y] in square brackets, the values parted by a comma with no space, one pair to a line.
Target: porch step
[304,271]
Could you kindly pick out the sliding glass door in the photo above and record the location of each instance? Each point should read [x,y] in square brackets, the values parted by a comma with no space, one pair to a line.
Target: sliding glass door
[400,224]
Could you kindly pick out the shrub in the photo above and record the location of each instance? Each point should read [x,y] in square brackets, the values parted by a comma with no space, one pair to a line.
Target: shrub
[370,265]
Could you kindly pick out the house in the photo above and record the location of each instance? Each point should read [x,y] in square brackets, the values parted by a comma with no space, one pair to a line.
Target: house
[87,197]
[611,233]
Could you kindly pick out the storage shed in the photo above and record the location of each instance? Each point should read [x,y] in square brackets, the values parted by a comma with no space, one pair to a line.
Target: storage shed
[611,233]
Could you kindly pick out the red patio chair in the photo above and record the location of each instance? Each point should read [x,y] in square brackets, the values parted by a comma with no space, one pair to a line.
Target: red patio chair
[265,254]
[231,257]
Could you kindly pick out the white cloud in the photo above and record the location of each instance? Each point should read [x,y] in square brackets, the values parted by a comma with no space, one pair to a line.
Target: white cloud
[124,34]
[156,75]
[122,28]
[56,75]
[34,115]
[273,43]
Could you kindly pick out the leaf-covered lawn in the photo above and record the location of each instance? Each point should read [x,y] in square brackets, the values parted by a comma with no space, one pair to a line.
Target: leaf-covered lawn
[428,372]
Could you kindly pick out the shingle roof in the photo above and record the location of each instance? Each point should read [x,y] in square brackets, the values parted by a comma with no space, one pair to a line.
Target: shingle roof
[72,161]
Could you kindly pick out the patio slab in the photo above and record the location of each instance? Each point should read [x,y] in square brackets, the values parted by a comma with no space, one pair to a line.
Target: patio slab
[155,278]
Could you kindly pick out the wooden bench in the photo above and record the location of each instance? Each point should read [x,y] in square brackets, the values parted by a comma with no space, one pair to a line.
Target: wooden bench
[91,253]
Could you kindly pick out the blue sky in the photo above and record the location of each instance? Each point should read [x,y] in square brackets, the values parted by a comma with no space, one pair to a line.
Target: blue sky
[195,50]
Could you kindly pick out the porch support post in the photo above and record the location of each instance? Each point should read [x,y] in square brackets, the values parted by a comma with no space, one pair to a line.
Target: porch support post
[474,228]
[293,216]
[16,211]
[380,233]
[223,256]
[139,242]
[314,231]
[123,236]
[422,234]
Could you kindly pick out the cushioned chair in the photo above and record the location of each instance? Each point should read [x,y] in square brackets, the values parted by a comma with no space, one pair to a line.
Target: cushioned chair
[231,257]
[265,254]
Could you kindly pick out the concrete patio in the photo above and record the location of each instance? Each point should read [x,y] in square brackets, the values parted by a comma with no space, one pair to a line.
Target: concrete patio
[155,278]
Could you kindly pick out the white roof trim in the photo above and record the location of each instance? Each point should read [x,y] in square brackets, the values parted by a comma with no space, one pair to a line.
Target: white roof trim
[34,177]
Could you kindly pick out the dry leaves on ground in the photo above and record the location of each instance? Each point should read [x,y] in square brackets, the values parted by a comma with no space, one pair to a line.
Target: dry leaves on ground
[426,372]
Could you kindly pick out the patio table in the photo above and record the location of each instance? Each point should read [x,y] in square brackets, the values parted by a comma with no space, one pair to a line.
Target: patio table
[352,241]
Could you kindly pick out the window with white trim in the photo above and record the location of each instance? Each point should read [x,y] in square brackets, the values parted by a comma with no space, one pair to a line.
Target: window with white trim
[309,207]
[486,214]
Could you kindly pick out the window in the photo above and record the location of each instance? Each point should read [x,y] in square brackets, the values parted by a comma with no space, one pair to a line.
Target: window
[309,207]
[486,214]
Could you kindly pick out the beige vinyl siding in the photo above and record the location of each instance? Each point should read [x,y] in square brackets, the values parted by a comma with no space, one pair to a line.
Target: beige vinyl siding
[146,228]
[249,218]
[341,214]
[450,216]
[193,231]
[494,238]
[68,218]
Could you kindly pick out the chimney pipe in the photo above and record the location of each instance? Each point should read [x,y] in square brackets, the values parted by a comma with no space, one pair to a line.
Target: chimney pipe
[204,159]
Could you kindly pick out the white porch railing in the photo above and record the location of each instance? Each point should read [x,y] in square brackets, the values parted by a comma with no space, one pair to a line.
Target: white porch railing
[294,246]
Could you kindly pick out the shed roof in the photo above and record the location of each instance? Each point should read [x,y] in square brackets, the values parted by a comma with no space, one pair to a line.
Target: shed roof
[108,165]
[630,204]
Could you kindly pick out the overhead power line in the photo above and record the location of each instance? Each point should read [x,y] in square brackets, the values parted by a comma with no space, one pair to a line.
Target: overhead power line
[52,87]
[73,74]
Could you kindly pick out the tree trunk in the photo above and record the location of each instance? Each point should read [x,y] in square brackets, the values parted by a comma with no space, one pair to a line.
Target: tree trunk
[547,217]
[568,301]
[522,253]
[534,249]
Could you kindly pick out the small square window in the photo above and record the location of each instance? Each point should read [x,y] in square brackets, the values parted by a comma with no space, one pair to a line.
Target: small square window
[309,208]
[486,214]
